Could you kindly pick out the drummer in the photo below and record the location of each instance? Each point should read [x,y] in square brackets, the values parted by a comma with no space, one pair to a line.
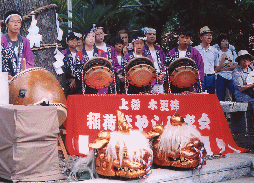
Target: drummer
[7,56]
[100,44]
[19,45]
[110,51]
[184,49]
[138,43]
[158,56]
[88,52]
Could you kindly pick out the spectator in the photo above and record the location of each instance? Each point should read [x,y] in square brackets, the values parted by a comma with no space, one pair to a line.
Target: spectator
[226,66]
[184,49]
[243,78]
[210,58]
[158,56]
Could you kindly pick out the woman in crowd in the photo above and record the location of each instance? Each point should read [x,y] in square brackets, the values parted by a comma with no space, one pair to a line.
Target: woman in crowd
[226,66]
[243,78]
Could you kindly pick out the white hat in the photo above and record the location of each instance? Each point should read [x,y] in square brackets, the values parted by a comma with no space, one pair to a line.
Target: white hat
[242,53]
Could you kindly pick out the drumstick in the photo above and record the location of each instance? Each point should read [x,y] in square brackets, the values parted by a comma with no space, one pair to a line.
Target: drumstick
[23,64]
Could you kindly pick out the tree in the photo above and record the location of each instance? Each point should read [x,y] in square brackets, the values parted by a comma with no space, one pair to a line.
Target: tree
[234,17]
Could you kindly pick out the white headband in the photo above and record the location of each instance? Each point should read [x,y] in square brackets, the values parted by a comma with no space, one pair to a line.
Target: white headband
[148,30]
[78,35]
[139,38]
[95,28]
[11,15]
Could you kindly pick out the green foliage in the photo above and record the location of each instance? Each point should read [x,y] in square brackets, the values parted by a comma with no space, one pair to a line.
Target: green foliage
[61,6]
[234,17]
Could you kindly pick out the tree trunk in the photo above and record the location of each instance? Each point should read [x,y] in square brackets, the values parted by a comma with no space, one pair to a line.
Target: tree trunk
[46,21]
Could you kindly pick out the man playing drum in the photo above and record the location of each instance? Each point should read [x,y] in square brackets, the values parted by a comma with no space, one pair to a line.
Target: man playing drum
[7,56]
[184,49]
[19,45]
[158,56]
[138,42]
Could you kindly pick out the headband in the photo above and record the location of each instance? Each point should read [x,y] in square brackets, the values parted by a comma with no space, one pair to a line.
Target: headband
[11,15]
[148,30]
[78,35]
[139,38]
[95,28]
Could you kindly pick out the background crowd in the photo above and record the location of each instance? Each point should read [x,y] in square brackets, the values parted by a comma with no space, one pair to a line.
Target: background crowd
[214,63]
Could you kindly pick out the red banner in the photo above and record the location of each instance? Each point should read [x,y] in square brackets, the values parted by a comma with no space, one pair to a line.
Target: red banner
[90,114]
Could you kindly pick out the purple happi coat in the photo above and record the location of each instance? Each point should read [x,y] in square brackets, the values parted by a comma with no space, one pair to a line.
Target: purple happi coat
[111,55]
[134,89]
[161,57]
[192,53]
[26,52]
[82,58]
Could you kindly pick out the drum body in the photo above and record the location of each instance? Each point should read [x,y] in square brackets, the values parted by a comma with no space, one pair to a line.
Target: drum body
[140,71]
[98,73]
[35,86]
[183,72]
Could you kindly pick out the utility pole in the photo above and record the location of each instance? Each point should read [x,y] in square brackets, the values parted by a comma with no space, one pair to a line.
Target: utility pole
[69,9]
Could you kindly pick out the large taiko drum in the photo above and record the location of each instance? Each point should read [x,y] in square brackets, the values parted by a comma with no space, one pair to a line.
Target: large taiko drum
[183,72]
[98,73]
[140,71]
[37,86]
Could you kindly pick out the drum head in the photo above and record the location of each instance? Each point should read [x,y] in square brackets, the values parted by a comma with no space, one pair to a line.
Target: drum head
[183,72]
[99,77]
[141,75]
[185,61]
[98,73]
[97,61]
[137,61]
[34,86]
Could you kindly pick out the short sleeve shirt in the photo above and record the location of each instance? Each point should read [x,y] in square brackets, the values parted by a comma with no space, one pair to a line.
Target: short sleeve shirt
[240,77]
[210,58]
[231,55]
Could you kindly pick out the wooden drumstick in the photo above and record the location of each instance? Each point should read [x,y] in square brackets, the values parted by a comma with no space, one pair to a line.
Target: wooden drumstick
[23,64]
